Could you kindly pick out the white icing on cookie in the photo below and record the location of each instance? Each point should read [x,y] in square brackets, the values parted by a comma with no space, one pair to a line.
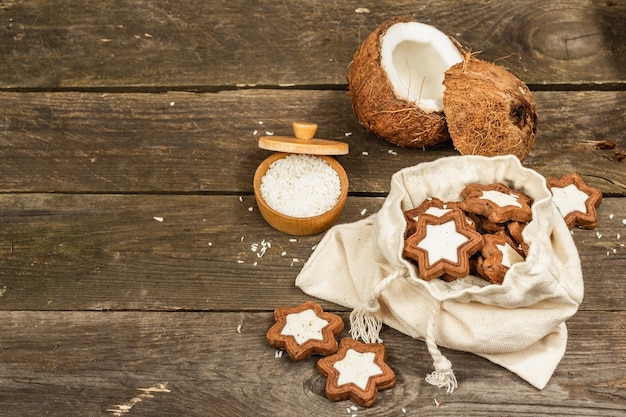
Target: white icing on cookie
[501,199]
[436,211]
[509,255]
[303,326]
[442,241]
[569,199]
[357,367]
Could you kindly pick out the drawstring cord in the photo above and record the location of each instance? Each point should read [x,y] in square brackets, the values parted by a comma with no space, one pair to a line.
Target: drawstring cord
[443,375]
[366,325]
[364,322]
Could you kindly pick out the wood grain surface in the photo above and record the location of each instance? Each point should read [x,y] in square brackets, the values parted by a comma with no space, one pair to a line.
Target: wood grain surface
[137,277]
[209,45]
[175,142]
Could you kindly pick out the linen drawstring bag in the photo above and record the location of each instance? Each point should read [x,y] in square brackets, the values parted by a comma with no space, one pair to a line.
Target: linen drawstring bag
[519,324]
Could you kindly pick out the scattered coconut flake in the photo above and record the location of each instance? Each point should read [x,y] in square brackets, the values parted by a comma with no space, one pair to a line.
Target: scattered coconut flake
[293,240]
[260,122]
[598,235]
[362,10]
[283,253]
[436,402]
[255,132]
[354,407]
[404,410]
[611,216]
[278,354]
[260,248]
[241,198]
[363,212]
[365,153]
[240,325]
[255,263]
[624,222]
[313,247]
[348,410]
[268,133]
[241,240]
[392,152]
[250,208]
[210,243]
[618,236]
[158,219]
[614,250]
[172,103]
[239,261]
[347,134]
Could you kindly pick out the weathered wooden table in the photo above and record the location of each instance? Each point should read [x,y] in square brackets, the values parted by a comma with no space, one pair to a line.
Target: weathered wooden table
[129,280]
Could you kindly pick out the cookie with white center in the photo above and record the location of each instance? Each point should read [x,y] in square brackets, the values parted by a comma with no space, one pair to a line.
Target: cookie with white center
[576,201]
[442,245]
[499,253]
[304,331]
[497,202]
[434,207]
[356,372]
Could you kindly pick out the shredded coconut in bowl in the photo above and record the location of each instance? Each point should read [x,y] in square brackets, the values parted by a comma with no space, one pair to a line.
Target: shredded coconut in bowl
[301,186]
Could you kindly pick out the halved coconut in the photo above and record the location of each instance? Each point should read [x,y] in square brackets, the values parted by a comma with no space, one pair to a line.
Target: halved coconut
[414,86]
[396,82]
[489,111]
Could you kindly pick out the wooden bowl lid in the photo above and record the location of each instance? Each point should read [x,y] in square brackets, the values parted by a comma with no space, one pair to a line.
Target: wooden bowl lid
[303,143]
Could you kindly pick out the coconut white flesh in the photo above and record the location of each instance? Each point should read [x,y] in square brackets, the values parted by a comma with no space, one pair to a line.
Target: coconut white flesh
[415,57]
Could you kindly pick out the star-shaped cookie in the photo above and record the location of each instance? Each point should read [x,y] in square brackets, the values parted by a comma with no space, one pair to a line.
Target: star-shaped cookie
[356,372]
[497,202]
[443,245]
[575,200]
[499,253]
[305,330]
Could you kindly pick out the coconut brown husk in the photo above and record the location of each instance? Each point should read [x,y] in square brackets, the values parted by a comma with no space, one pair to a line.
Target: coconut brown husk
[489,111]
[375,105]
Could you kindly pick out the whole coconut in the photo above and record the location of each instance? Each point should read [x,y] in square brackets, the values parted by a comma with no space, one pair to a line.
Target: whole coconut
[396,82]
[488,110]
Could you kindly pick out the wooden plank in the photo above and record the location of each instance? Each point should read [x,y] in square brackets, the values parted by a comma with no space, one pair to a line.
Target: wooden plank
[204,45]
[180,142]
[113,252]
[98,364]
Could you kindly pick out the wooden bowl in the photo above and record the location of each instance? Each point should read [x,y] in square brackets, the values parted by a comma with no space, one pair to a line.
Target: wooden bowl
[300,226]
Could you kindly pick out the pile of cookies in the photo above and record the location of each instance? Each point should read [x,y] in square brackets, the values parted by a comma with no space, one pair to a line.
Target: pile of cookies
[482,233]
[353,370]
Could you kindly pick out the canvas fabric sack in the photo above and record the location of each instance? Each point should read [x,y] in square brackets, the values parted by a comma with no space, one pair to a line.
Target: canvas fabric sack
[519,325]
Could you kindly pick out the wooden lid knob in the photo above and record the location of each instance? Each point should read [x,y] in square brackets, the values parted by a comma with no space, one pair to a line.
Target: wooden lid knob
[304,130]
